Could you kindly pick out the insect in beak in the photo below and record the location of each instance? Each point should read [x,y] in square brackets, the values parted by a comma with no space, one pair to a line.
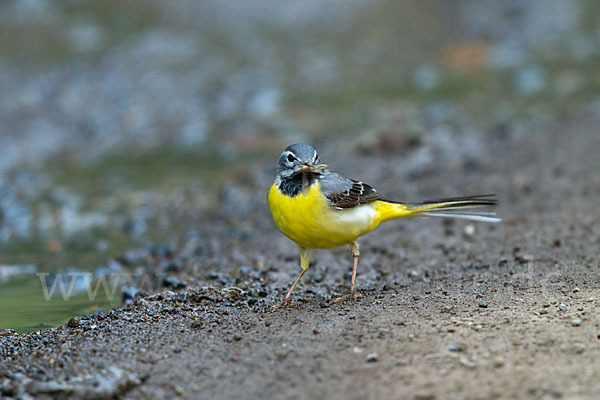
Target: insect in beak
[314,169]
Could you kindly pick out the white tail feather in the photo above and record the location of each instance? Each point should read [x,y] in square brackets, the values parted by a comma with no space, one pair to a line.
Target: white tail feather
[471,217]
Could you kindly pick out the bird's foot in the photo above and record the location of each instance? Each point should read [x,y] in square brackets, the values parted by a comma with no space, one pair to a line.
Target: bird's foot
[346,297]
[285,303]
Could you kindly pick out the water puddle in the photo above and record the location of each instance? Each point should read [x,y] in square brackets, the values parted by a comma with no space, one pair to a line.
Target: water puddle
[24,307]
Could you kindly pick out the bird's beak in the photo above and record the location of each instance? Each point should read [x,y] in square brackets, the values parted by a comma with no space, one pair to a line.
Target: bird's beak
[315,169]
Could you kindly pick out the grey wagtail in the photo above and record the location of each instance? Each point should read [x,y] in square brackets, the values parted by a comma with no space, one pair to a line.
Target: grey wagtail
[320,209]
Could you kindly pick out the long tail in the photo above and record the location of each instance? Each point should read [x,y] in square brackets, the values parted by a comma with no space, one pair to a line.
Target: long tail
[455,207]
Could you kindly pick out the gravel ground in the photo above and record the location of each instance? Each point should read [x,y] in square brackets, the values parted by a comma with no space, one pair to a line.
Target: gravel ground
[448,309]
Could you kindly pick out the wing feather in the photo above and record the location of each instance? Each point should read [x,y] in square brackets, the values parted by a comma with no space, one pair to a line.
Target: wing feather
[359,193]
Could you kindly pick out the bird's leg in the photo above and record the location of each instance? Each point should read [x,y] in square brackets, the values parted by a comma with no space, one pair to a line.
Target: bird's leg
[304,264]
[286,301]
[355,253]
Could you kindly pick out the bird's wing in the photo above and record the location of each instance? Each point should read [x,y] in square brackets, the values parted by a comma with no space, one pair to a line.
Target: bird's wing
[346,193]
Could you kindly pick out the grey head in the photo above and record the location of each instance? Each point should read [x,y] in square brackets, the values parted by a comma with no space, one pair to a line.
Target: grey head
[299,158]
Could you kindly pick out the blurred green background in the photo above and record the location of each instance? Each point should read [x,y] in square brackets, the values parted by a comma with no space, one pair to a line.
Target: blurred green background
[122,120]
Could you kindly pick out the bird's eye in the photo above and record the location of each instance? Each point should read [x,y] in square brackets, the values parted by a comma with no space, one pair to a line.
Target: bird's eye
[291,157]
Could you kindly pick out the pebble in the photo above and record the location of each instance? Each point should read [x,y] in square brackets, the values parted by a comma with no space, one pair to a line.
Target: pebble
[576,322]
[197,324]
[129,294]
[530,80]
[498,362]
[467,363]
[73,323]
[563,307]
[457,348]
[426,77]
[372,357]
[579,348]
[213,275]
[424,396]
[6,332]
[172,282]
[469,230]
[483,304]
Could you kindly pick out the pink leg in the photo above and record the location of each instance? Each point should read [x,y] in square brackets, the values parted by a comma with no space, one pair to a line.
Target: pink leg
[355,253]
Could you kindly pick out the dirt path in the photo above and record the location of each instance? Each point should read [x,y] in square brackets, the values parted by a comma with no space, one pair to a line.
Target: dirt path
[449,310]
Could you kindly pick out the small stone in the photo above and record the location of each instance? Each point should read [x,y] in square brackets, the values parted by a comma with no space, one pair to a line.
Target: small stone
[73,323]
[424,396]
[563,307]
[6,332]
[457,348]
[372,357]
[213,275]
[579,348]
[129,294]
[556,394]
[469,230]
[172,282]
[483,304]
[467,363]
[576,322]
[530,79]
[197,324]
[426,77]
[498,362]
[316,331]
[524,259]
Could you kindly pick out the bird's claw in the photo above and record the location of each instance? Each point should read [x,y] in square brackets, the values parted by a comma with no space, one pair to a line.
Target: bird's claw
[284,303]
[346,297]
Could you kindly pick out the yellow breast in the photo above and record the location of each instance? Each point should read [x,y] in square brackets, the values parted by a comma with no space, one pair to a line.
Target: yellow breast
[311,222]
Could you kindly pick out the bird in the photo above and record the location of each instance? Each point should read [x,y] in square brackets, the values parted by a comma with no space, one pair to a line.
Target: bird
[320,209]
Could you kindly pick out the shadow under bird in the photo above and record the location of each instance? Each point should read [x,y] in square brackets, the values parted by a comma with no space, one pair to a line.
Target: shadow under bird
[320,209]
